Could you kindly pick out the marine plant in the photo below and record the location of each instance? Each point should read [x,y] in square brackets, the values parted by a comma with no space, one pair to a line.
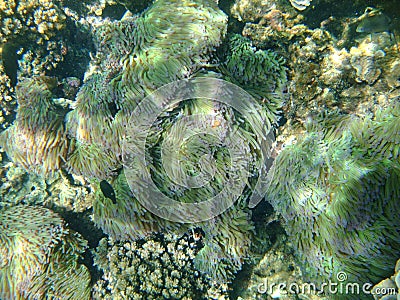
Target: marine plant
[337,192]
[39,256]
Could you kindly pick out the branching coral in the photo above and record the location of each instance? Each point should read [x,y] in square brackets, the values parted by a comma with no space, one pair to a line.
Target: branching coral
[160,267]
[32,29]
[39,256]
[337,191]
[40,17]
[37,140]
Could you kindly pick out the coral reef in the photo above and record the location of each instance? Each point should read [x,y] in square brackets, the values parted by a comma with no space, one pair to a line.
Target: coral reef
[18,186]
[37,139]
[277,276]
[226,238]
[7,101]
[159,267]
[31,28]
[330,66]
[335,186]
[59,191]
[42,17]
[136,56]
[336,190]
[39,256]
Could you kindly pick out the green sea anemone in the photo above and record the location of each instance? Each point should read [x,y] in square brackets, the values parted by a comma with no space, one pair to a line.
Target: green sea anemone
[337,193]
[260,72]
[39,256]
[37,140]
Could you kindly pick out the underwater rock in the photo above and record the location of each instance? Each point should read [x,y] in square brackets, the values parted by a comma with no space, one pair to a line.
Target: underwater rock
[364,61]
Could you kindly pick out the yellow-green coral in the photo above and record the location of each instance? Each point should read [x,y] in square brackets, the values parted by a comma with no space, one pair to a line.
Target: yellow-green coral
[39,256]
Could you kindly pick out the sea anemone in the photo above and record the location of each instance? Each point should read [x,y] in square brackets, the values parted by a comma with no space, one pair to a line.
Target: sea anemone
[39,256]
[337,193]
[37,140]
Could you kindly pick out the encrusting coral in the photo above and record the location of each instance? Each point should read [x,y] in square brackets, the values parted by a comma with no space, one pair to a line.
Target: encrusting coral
[337,192]
[39,256]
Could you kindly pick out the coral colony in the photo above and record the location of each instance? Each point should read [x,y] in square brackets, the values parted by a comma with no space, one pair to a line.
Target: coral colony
[333,185]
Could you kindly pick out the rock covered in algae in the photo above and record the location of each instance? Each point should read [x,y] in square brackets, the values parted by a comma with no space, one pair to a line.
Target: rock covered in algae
[348,72]
[336,190]
[158,267]
[39,256]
